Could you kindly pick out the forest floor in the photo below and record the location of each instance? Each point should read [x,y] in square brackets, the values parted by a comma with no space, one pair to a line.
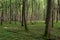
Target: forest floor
[16,32]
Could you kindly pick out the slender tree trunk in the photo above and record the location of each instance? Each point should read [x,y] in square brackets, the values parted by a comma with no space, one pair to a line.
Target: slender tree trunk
[16,11]
[10,11]
[38,10]
[44,11]
[52,19]
[53,12]
[22,18]
[6,12]
[57,15]
[27,9]
[31,14]
[58,11]
[2,18]
[23,15]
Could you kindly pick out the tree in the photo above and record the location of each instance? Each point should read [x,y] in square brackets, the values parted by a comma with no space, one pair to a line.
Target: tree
[11,11]
[48,20]
[16,11]
[32,11]
[53,12]
[59,8]
[2,16]
[23,15]
[58,11]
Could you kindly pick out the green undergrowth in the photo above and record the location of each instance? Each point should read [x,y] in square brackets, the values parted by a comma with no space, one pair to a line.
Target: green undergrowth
[17,32]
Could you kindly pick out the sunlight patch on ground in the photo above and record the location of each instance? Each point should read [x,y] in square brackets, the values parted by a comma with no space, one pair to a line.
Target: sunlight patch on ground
[6,27]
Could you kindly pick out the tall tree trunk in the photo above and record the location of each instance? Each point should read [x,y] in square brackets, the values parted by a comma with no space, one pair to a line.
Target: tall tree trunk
[58,11]
[32,13]
[16,11]
[44,10]
[38,10]
[27,9]
[2,14]
[6,12]
[11,11]
[53,12]
[48,20]
[23,15]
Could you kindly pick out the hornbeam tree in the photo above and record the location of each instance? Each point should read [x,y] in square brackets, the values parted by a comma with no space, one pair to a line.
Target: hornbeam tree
[58,11]
[2,18]
[23,14]
[48,20]
[11,11]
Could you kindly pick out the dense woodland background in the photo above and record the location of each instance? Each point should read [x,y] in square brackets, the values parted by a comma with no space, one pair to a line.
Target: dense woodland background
[30,19]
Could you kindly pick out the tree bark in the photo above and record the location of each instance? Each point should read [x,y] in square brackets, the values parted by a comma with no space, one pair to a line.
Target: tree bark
[48,20]
[23,15]
[2,14]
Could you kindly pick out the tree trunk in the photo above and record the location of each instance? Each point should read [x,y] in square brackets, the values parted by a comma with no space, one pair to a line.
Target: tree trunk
[2,14]
[32,13]
[23,15]
[48,20]
[11,11]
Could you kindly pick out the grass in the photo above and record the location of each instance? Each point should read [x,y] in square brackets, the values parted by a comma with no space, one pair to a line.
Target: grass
[16,32]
